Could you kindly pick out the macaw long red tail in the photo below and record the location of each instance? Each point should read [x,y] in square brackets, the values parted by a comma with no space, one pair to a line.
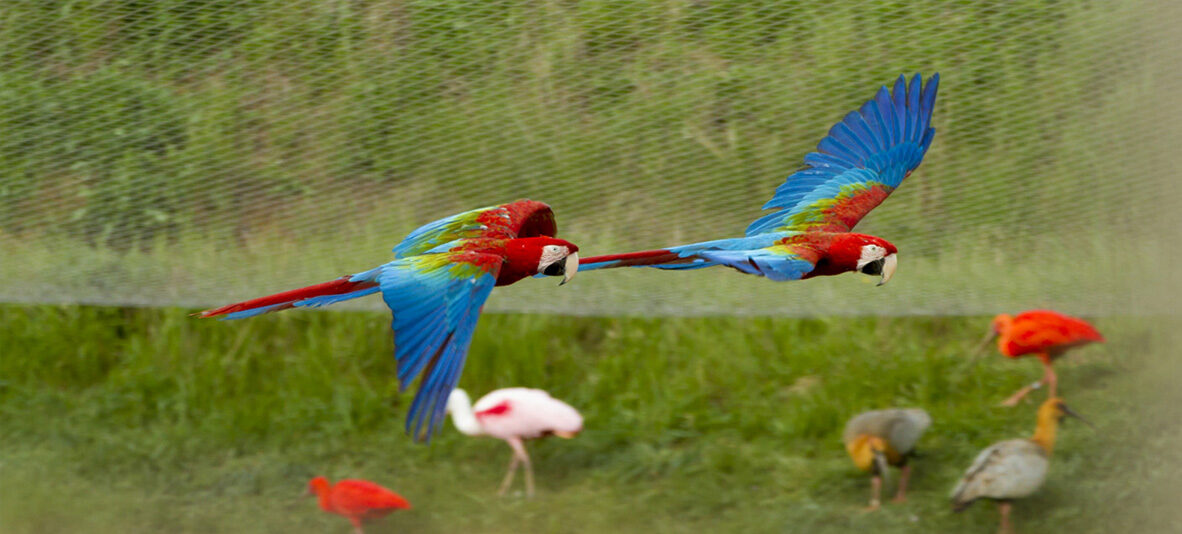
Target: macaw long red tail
[663,258]
[343,288]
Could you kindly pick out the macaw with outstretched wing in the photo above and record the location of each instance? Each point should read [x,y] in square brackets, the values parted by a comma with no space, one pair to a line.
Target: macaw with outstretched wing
[441,276]
[864,157]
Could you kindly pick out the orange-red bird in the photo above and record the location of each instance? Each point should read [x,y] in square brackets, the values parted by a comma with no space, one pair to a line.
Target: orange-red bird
[357,500]
[1041,333]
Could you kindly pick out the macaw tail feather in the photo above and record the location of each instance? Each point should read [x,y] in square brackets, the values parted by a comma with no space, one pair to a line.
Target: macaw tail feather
[344,288]
[661,259]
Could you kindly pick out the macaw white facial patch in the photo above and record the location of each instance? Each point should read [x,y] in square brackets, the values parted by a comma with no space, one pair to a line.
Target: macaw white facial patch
[871,253]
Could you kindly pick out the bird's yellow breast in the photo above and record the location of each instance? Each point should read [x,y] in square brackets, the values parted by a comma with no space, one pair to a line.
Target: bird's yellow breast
[863,447]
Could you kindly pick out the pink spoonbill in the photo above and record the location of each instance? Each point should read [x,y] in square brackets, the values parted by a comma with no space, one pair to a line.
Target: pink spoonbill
[514,415]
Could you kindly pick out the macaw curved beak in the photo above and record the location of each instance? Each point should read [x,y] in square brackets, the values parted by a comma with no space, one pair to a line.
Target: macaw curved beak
[570,268]
[889,264]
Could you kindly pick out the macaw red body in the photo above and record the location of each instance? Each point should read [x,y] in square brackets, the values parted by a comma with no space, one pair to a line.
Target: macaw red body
[1044,334]
[357,500]
[863,159]
[436,286]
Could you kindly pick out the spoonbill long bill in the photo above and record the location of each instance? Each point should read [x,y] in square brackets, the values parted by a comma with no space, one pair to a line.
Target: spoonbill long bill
[514,415]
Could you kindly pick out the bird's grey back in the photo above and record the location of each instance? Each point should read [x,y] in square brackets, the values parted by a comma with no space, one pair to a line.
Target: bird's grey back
[1011,469]
[901,427]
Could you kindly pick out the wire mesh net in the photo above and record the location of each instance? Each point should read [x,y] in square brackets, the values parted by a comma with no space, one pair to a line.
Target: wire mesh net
[194,152]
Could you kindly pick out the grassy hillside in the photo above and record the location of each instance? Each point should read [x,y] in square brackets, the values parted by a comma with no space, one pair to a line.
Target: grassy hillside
[146,420]
[127,120]
[182,152]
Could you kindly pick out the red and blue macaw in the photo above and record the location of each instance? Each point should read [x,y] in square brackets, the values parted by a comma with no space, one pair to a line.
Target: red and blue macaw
[441,276]
[864,157]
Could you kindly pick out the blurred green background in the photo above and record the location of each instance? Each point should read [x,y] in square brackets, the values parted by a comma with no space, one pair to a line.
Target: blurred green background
[190,152]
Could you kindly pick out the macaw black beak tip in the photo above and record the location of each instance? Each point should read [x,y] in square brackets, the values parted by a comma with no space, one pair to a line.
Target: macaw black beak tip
[565,268]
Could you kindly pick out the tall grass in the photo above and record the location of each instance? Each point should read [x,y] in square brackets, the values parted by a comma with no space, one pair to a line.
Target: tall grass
[146,420]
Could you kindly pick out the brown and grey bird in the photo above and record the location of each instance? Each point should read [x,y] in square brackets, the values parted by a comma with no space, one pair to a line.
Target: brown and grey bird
[1015,468]
[880,438]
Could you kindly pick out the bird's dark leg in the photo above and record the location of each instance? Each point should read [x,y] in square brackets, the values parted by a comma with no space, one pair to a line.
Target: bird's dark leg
[1049,378]
[519,447]
[904,474]
[508,481]
[1021,394]
[875,492]
[520,456]
[1004,508]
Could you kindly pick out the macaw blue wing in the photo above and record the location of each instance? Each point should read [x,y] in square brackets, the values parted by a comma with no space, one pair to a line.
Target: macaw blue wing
[774,263]
[523,218]
[864,157]
[436,301]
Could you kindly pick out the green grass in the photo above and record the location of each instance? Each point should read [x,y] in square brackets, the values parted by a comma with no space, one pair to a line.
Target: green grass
[146,420]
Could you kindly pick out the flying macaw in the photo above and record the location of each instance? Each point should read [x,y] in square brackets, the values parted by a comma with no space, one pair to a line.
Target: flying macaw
[864,157]
[441,276]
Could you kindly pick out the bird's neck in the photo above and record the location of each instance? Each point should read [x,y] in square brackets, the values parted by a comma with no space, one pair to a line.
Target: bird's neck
[322,495]
[463,417]
[864,448]
[1044,432]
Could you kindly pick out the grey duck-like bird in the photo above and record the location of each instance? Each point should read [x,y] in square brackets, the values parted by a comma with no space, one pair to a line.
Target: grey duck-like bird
[1014,468]
[880,438]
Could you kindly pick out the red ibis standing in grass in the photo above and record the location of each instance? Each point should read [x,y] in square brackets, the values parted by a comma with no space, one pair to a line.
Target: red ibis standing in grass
[1042,333]
[514,415]
[357,500]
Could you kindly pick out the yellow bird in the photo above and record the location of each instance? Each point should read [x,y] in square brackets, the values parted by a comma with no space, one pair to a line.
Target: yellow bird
[1015,468]
[885,437]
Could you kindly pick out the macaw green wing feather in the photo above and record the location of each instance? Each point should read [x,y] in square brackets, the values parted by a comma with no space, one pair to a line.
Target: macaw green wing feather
[523,218]
[862,160]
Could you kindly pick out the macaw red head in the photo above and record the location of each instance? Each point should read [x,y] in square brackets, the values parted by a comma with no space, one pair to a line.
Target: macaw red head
[866,254]
[547,256]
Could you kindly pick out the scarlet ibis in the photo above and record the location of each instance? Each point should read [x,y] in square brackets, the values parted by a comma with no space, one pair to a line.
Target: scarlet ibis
[514,415]
[357,500]
[1042,333]
[1015,468]
[881,437]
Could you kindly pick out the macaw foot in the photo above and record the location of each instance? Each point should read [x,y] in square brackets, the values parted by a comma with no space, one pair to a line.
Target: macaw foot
[874,505]
[899,499]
